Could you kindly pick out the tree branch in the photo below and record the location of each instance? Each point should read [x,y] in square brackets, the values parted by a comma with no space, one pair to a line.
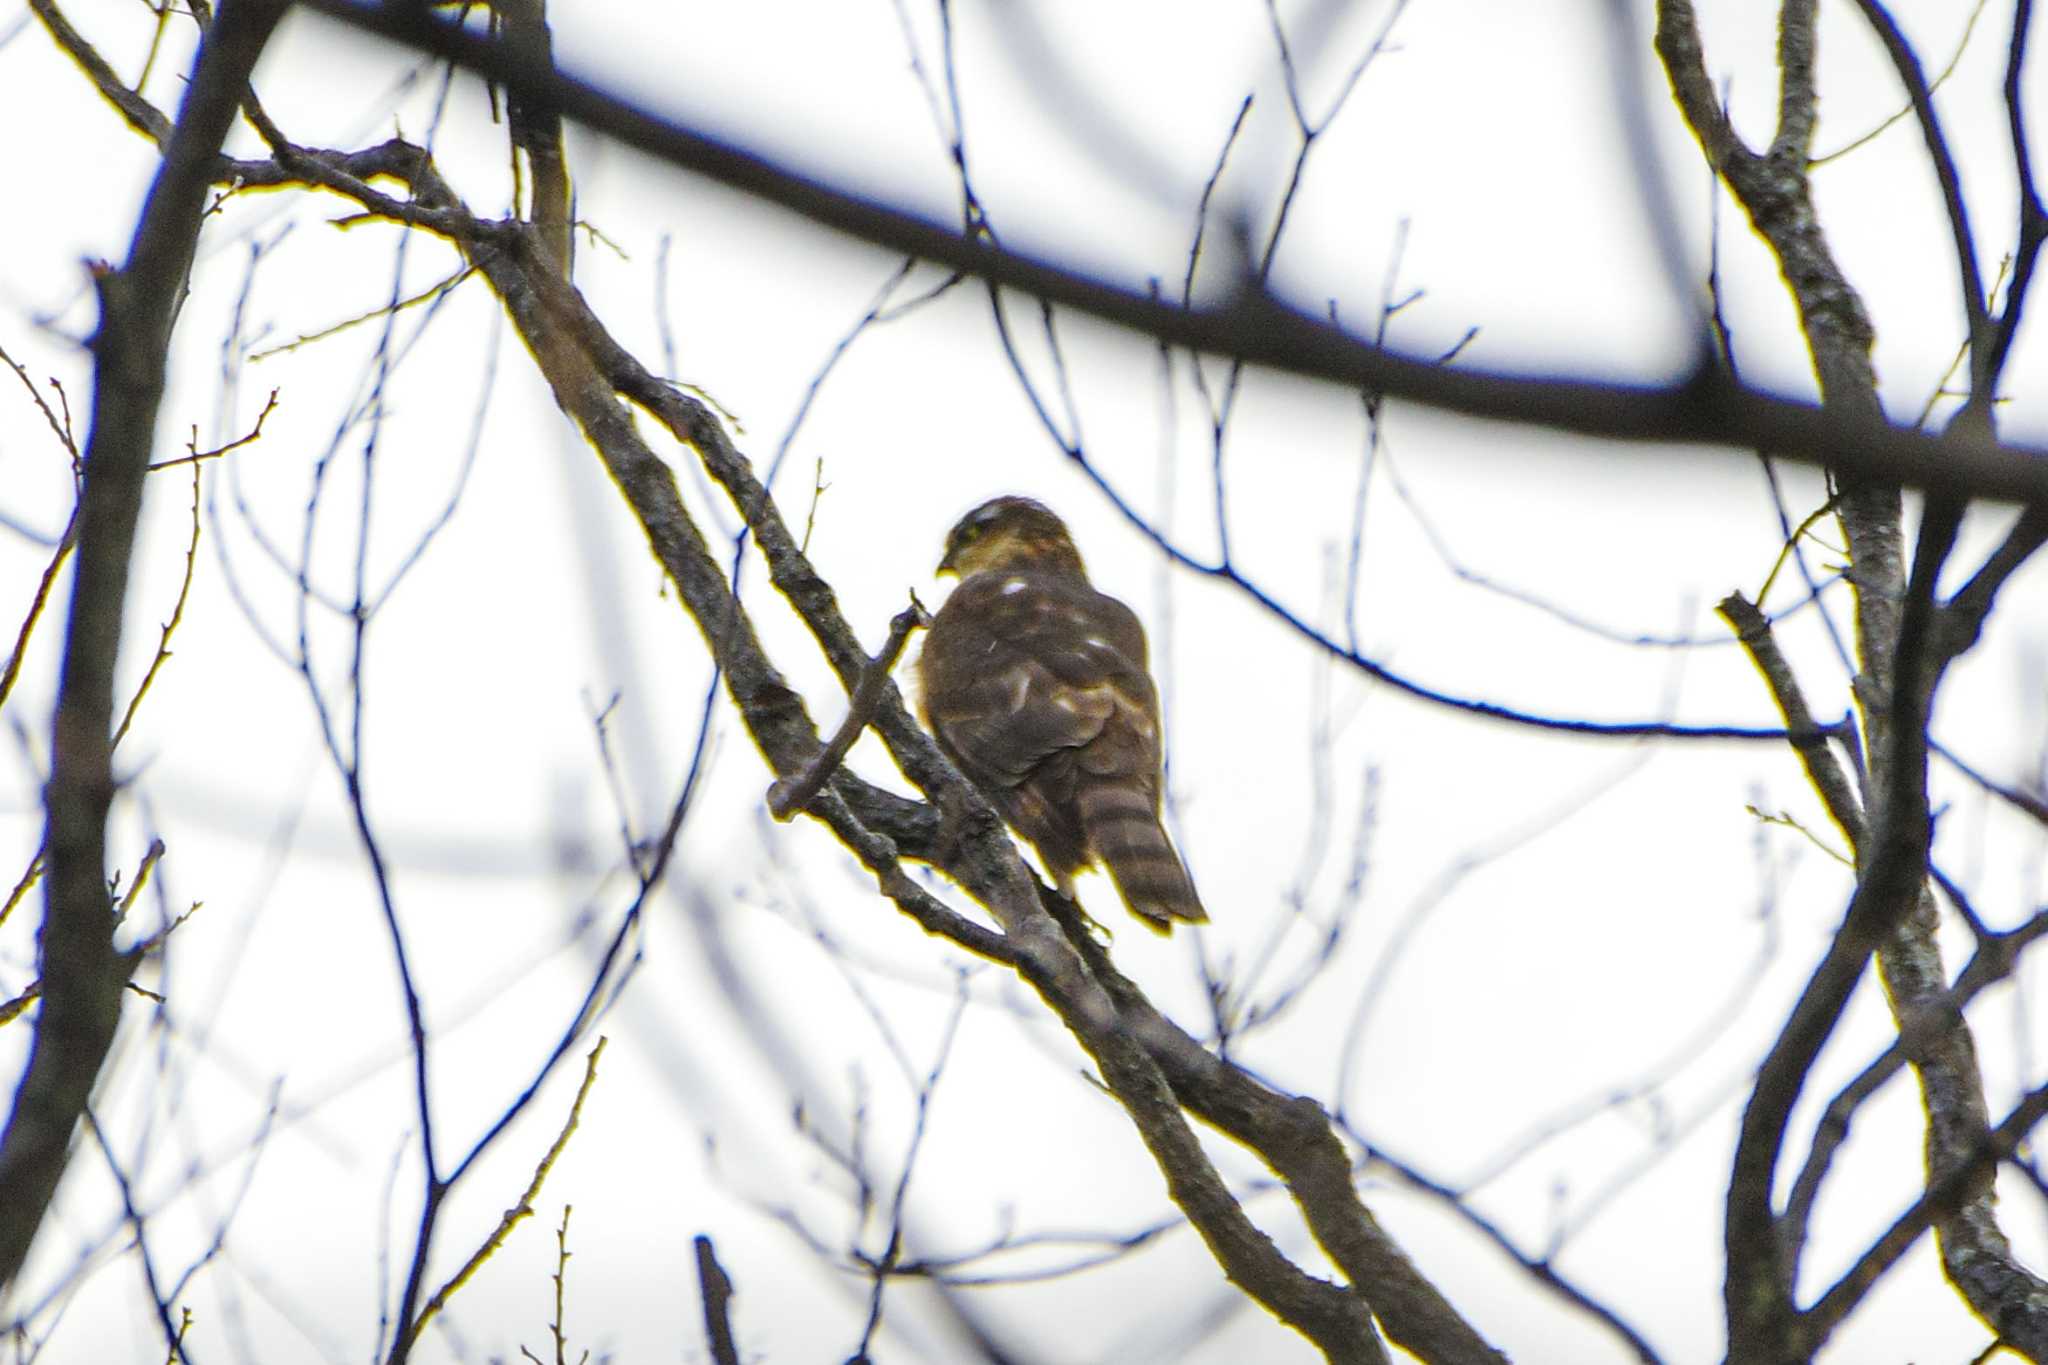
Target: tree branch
[1943,1197]
[1919,1034]
[1706,408]
[1976,314]
[716,1288]
[82,974]
[790,795]
[555,325]
[1823,769]
[2032,229]
[1896,620]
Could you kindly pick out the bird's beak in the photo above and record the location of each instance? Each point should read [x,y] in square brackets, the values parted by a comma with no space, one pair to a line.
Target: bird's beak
[946,565]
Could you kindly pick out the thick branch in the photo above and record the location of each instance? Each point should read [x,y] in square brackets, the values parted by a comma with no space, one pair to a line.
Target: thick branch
[1296,1139]
[537,130]
[1897,624]
[1796,94]
[81,973]
[1919,1034]
[555,325]
[1707,408]
[1943,1197]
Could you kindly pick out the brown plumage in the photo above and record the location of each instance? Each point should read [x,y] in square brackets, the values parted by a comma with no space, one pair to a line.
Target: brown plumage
[1036,686]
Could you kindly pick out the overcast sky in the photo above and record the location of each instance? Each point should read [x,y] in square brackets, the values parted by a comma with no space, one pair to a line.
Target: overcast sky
[1542,922]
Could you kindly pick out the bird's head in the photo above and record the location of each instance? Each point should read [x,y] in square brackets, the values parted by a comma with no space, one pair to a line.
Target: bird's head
[1010,533]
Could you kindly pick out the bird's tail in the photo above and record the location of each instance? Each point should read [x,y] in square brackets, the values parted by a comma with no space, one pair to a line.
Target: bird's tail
[1122,826]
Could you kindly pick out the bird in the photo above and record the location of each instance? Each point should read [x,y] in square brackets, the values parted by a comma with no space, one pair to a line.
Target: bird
[1036,686]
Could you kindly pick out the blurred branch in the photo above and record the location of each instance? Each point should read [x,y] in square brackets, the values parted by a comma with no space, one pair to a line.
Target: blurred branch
[65,543]
[81,972]
[1252,325]
[2025,802]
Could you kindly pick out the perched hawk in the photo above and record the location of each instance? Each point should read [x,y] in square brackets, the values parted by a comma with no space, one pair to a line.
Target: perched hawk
[1036,686]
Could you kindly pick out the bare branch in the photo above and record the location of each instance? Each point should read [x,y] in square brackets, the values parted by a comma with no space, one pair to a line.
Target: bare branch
[82,974]
[791,794]
[143,116]
[1918,1035]
[1823,769]
[522,1209]
[1704,408]
[1956,1188]
[716,1288]
[1976,307]
[37,603]
[2033,218]
[1797,98]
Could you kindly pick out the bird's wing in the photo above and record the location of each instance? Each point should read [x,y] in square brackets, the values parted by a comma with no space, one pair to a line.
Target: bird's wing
[1019,668]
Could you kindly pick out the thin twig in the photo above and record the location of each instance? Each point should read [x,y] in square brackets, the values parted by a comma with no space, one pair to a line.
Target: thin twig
[788,795]
[520,1210]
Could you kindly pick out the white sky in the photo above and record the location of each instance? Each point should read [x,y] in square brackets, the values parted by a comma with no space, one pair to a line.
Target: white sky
[1543,921]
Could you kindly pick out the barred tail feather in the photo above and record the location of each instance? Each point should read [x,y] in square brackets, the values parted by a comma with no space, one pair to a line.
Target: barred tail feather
[1123,831]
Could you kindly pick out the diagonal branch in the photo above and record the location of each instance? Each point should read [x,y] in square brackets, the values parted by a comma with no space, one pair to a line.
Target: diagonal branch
[144,117]
[1976,308]
[1704,408]
[1823,769]
[1943,1197]
[1994,961]
[1963,616]
[790,795]
[554,323]
[1295,1137]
